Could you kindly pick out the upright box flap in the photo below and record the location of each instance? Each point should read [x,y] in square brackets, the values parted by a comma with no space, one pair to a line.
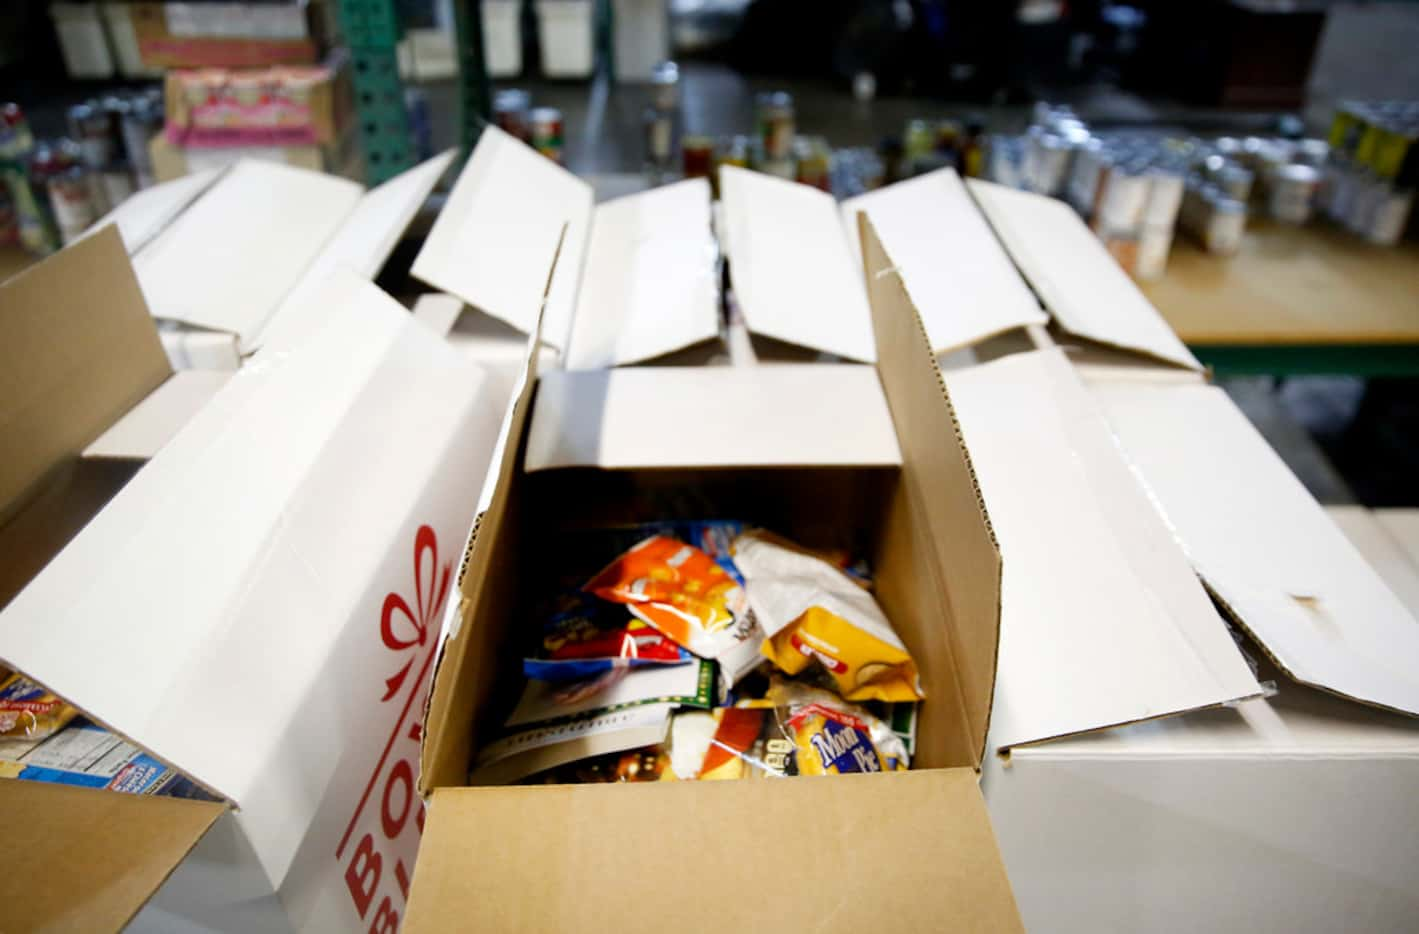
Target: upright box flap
[1103,621]
[765,416]
[361,245]
[1264,546]
[145,214]
[954,535]
[915,848]
[141,431]
[227,570]
[958,275]
[651,282]
[494,241]
[78,350]
[793,273]
[91,858]
[1080,284]
[229,259]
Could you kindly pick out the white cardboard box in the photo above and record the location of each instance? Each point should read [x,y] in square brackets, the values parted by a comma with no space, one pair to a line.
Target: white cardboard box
[257,606]
[227,259]
[636,277]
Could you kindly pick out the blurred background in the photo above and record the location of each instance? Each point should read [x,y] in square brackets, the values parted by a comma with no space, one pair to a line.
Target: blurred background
[1251,164]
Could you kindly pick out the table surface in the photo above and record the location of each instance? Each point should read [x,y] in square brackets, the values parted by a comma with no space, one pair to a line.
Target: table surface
[1311,285]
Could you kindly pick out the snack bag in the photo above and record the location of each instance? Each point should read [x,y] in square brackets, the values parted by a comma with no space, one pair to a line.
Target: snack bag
[28,711]
[811,611]
[729,743]
[679,590]
[831,737]
[585,637]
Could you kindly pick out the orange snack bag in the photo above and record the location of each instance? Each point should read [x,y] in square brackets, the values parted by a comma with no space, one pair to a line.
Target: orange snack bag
[679,590]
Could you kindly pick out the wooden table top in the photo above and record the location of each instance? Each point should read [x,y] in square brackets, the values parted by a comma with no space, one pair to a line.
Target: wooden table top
[1291,286]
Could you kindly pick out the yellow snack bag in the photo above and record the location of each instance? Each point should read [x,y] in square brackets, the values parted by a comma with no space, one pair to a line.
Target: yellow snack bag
[29,711]
[811,611]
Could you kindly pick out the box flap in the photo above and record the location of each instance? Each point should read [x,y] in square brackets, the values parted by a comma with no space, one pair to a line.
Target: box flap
[144,429]
[145,214]
[493,242]
[78,350]
[227,570]
[91,858]
[953,539]
[959,277]
[762,416]
[913,847]
[794,276]
[361,245]
[1103,621]
[1074,276]
[651,283]
[1267,549]
[1387,544]
[229,259]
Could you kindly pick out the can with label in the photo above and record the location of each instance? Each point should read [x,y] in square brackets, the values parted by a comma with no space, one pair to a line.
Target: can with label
[1123,199]
[1235,181]
[1165,191]
[1391,216]
[776,125]
[510,112]
[117,185]
[546,130]
[1224,223]
[917,142]
[1291,190]
[1152,257]
[814,162]
[659,138]
[72,201]
[141,119]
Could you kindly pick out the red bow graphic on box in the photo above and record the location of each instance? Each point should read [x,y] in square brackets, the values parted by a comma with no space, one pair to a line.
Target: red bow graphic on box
[404,629]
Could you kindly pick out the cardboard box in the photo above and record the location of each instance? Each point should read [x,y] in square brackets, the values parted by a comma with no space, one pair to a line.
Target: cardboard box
[921,846]
[228,35]
[280,106]
[256,606]
[637,275]
[236,254]
[1250,813]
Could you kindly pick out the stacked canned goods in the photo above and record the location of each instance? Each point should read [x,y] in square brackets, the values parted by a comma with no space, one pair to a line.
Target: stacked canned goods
[1373,168]
[661,125]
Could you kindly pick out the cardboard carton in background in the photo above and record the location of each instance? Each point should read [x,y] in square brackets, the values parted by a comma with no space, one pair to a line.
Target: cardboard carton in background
[288,551]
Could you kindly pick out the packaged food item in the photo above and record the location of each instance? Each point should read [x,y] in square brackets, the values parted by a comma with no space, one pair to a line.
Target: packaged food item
[584,637]
[616,689]
[679,590]
[29,711]
[832,737]
[89,756]
[647,764]
[811,611]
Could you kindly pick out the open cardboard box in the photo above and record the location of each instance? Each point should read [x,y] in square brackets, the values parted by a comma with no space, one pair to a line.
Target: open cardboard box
[255,607]
[919,844]
[228,259]
[1233,811]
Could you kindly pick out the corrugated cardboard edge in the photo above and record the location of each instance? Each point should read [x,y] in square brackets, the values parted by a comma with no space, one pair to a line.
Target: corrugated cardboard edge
[130,845]
[892,328]
[491,513]
[79,350]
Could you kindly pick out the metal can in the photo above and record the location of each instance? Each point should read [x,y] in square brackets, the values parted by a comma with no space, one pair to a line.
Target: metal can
[141,119]
[1235,181]
[917,142]
[1391,216]
[698,155]
[1225,223]
[72,201]
[1165,191]
[665,86]
[92,127]
[117,185]
[546,131]
[510,112]
[1151,260]
[776,125]
[1123,199]
[1291,190]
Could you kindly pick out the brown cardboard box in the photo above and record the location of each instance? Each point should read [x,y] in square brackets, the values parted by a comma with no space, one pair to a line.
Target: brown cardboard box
[836,853]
